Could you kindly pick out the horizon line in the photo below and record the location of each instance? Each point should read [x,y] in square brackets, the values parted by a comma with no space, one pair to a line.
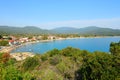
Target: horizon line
[55,27]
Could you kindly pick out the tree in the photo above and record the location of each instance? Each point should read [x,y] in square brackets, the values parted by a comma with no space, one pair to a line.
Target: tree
[0,36]
[3,43]
[115,48]
[115,51]
[98,67]
[44,37]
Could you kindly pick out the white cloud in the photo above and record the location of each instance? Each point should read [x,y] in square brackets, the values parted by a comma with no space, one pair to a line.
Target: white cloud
[106,23]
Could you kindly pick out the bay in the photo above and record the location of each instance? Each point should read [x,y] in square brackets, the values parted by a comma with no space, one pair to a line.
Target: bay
[90,44]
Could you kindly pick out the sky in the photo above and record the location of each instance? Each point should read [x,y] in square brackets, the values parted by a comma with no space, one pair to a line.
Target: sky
[49,14]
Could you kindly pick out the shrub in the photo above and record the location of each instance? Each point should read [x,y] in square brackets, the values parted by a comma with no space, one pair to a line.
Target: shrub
[10,73]
[53,52]
[44,57]
[5,57]
[69,51]
[115,48]
[30,63]
[55,59]
[98,66]
[3,43]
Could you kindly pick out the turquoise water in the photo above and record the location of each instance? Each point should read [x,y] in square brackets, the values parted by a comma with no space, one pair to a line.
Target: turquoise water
[90,44]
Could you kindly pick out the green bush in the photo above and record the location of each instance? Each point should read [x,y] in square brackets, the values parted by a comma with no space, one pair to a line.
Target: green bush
[0,36]
[44,57]
[69,51]
[30,63]
[115,48]
[55,60]
[53,52]
[3,43]
[98,67]
[10,73]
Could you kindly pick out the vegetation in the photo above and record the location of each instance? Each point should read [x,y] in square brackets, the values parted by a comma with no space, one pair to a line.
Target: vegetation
[3,43]
[66,64]
[0,36]
[115,48]
[32,30]
[30,63]
[44,37]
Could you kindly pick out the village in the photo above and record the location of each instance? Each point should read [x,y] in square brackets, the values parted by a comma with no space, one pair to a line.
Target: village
[11,40]
[14,41]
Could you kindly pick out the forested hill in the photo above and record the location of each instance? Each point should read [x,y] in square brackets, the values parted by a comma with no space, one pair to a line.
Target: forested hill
[22,30]
[91,30]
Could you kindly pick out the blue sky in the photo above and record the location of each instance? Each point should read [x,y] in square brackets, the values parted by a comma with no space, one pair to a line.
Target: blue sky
[50,14]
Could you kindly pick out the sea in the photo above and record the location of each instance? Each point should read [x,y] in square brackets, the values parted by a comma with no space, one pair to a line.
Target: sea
[91,44]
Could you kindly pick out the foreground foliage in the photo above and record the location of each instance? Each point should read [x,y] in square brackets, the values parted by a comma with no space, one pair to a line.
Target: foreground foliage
[66,64]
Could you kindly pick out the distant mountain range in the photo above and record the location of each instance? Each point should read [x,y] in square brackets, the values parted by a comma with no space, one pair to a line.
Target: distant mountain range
[22,30]
[91,30]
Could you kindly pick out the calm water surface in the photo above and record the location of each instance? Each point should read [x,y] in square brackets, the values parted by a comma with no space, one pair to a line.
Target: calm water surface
[90,44]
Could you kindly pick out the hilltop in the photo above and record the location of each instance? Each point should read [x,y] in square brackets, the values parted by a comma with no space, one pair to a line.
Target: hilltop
[91,30]
[22,30]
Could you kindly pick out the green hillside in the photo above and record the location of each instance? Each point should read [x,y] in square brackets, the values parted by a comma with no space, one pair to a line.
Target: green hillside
[22,30]
[91,30]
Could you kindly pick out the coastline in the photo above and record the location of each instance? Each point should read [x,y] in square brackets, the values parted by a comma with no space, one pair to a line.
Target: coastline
[8,49]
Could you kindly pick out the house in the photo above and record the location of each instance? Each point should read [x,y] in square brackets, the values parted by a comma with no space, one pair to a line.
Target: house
[11,42]
[51,37]
[6,38]
[13,38]
[34,38]
[22,40]
[39,37]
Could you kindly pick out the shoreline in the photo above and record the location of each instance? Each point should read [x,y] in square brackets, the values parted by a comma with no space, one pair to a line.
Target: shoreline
[9,49]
